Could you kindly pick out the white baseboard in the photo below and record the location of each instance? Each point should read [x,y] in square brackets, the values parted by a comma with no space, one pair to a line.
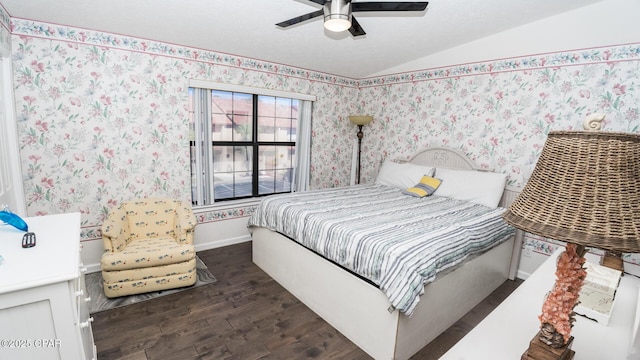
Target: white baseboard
[93,268]
[220,243]
[522,275]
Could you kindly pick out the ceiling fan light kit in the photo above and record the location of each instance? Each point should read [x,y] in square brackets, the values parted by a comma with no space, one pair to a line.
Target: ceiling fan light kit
[337,15]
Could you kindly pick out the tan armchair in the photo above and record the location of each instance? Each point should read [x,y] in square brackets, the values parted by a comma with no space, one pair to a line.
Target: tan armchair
[148,246]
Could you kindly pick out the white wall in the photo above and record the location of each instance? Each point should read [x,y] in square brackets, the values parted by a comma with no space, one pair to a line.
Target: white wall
[610,22]
[226,232]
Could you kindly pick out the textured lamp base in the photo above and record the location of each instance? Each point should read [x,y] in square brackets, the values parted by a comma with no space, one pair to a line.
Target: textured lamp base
[540,351]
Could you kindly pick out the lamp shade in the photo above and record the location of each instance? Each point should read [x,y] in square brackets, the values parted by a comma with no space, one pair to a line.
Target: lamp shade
[336,23]
[360,119]
[337,15]
[585,189]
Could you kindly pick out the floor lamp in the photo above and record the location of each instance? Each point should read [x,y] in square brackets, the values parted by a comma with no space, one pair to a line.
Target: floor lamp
[360,121]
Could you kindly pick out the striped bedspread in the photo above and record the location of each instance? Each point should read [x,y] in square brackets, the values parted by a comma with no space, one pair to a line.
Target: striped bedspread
[397,241]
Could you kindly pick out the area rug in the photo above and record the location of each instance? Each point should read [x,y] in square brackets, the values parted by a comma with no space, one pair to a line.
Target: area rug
[99,302]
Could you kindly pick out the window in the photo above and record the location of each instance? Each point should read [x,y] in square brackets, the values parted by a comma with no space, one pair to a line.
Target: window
[242,145]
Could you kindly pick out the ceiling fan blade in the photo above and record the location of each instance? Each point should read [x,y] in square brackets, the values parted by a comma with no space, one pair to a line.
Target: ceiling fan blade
[356,29]
[319,2]
[389,6]
[301,18]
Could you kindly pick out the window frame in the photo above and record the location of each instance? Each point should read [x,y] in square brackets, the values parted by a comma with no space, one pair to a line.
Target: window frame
[197,144]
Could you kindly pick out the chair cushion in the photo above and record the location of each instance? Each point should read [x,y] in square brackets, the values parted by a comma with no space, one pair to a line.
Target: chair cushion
[142,253]
[136,281]
[154,272]
[150,218]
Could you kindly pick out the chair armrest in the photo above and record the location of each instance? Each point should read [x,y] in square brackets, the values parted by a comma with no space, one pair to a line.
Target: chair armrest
[115,230]
[185,224]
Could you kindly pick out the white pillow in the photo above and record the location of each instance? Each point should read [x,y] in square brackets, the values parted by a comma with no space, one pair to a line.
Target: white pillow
[480,187]
[402,176]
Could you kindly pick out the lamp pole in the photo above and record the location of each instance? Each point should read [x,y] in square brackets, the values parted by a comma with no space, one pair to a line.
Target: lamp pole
[360,120]
[360,135]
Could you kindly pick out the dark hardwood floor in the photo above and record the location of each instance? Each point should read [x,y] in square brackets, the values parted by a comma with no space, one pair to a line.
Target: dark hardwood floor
[244,315]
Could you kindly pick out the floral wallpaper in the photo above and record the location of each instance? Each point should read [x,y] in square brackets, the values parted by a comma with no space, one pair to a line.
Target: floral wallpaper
[499,113]
[103,117]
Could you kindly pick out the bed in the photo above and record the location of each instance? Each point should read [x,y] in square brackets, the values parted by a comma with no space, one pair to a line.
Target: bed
[359,306]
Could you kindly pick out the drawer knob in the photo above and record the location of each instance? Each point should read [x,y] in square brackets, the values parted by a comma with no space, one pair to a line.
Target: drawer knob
[86,323]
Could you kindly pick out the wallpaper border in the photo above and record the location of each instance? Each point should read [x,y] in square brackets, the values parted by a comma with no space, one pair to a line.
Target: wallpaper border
[604,54]
[209,216]
[22,27]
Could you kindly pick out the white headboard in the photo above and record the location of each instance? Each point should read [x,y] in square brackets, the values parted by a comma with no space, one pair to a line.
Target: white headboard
[443,157]
[450,158]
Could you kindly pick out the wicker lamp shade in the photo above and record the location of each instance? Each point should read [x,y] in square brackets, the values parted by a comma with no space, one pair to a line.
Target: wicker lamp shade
[585,189]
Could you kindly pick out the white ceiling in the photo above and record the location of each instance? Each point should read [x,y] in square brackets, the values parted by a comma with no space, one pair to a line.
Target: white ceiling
[247,27]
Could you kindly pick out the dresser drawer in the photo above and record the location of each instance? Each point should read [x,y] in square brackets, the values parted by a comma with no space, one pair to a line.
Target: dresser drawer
[84,319]
[81,297]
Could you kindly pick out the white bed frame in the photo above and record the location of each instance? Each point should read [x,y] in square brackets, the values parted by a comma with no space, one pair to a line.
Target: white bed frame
[360,311]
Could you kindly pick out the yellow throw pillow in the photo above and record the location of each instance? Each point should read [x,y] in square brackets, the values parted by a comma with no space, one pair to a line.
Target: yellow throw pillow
[425,187]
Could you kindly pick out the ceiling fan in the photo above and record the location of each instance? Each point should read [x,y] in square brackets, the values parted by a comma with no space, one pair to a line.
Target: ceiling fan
[338,17]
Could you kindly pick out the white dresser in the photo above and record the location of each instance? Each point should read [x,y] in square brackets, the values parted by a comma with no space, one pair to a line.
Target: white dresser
[506,332]
[43,300]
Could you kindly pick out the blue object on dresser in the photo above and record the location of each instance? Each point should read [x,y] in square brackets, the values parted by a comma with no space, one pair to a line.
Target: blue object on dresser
[13,220]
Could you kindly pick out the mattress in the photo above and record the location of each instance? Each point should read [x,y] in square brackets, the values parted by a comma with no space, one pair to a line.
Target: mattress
[396,241]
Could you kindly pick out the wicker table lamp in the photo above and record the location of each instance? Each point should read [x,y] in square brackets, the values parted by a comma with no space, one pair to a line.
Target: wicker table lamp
[585,190]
